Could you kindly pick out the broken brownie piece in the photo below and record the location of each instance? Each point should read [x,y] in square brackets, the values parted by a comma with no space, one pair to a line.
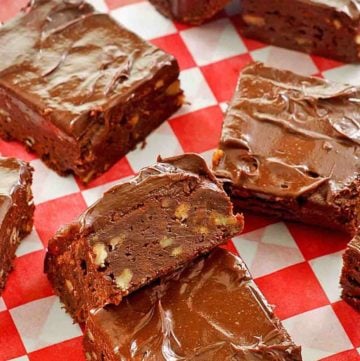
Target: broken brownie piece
[209,310]
[189,11]
[350,277]
[16,210]
[78,88]
[290,148]
[140,230]
[327,28]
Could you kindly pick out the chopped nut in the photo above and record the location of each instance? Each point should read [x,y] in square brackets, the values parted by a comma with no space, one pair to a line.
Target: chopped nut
[182,211]
[218,154]
[14,236]
[337,24]
[124,279]
[90,335]
[222,220]
[303,41]
[254,20]
[202,230]
[69,285]
[166,242]
[88,356]
[117,241]
[159,84]
[94,355]
[176,251]
[133,120]
[100,254]
[166,203]
[1,272]
[357,39]
[173,88]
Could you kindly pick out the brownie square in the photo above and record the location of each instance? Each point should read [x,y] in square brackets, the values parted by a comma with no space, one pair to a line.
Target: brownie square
[350,277]
[209,310]
[79,89]
[290,148]
[138,231]
[192,12]
[327,28]
[16,210]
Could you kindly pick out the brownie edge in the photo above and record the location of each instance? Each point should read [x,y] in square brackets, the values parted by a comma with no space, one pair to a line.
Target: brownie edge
[138,231]
[16,211]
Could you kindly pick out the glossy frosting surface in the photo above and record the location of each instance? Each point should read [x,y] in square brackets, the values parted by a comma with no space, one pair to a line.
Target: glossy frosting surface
[286,135]
[210,310]
[67,61]
[10,170]
[349,7]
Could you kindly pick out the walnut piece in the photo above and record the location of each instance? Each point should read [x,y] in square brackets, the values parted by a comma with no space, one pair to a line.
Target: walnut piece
[124,279]
[100,252]
[182,211]
[222,220]
[69,285]
[216,158]
[176,251]
[166,242]
[254,20]
[173,88]
[117,241]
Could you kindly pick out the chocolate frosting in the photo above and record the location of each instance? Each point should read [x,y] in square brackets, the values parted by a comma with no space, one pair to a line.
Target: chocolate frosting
[10,171]
[69,61]
[210,310]
[351,8]
[286,135]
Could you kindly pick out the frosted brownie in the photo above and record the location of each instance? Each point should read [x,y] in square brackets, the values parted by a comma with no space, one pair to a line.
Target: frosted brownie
[290,148]
[139,231]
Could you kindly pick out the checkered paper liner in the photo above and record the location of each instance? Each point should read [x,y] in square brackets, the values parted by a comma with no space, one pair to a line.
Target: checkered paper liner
[297,267]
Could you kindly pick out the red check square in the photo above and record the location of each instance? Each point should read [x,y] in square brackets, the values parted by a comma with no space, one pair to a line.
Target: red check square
[11,345]
[315,242]
[69,350]
[293,290]
[173,44]
[51,215]
[350,320]
[223,75]
[199,131]
[15,149]
[27,282]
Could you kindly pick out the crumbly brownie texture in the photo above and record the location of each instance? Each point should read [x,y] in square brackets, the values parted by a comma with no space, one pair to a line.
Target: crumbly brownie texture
[350,277]
[16,210]
[79,89]
[140,230]
[323,27]
[210,310]
[189,11]
[290,148]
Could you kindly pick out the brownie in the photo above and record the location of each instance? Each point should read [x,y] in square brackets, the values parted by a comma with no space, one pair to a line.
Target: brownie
[327,28]
[78,88]
[189,11]
[290,148]
[209,310]
[138,231]
[350,277]
[16,210]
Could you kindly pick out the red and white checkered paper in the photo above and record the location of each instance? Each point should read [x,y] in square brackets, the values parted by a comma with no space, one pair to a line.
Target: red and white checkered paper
[297,267]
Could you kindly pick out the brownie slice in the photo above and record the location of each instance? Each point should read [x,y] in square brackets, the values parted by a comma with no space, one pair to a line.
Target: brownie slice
[290,148]
[140,230]
[189,11]
[78,88]
[16,210]
[327,28]
[209,310]
[350,277]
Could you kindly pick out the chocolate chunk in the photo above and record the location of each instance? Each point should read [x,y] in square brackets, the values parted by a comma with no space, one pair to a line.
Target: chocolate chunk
[209,310]
[16,210]
[140,230]
[189,11]
[327,28]
[79,89]
[290,148]
[350,277]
